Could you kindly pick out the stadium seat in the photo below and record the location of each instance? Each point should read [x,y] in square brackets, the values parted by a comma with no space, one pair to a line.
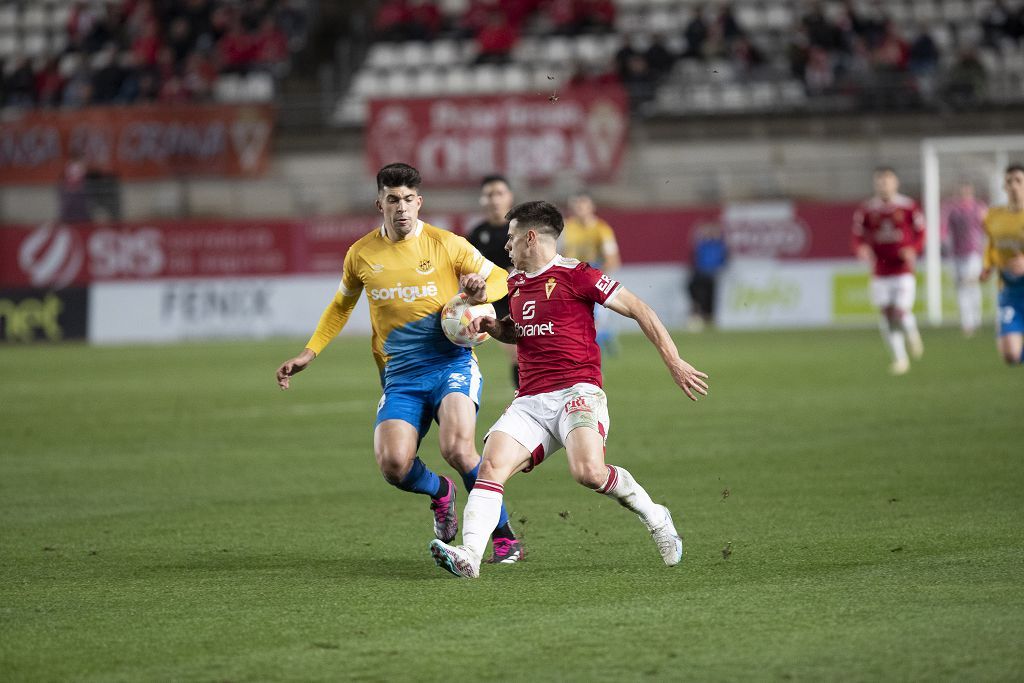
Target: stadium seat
[8,17]
[35,44]
[9,44]
[485,78]
[556,49]
[383,56]
[366,84]
[427,81]
[444,52]
[734,97]
[35,16]
[515,78]
[763,95]
[778,18]
[414,53]
[457,80]
[589,50]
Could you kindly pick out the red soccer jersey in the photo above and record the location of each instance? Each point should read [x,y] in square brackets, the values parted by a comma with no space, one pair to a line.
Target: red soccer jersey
[553,310]
[888,227]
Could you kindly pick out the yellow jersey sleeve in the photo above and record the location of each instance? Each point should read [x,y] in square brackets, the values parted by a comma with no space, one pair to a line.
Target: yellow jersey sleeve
[337,313]
[467,259]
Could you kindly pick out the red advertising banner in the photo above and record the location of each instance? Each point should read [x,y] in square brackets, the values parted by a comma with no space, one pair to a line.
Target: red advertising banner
[458,140]
[53,255]
[137,142]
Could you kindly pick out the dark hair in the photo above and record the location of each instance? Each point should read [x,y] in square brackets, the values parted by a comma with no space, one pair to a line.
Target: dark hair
[541,216]
[1014,168]
[398,175]
[885,169]
[495,178]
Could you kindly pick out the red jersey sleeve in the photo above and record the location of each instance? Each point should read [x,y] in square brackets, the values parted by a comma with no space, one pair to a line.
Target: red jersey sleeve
[858,228]
[593,285]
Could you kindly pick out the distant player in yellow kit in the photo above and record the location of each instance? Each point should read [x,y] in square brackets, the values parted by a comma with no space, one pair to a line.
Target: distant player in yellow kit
[1004,226]
[589,239]
[409,270]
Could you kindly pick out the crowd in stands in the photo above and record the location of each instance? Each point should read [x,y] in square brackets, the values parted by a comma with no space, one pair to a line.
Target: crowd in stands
[166,51]
[860,51]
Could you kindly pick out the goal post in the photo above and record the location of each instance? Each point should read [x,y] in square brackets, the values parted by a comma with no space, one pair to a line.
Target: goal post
[973,155]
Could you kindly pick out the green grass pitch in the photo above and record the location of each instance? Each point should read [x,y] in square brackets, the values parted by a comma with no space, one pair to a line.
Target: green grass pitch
[167,514]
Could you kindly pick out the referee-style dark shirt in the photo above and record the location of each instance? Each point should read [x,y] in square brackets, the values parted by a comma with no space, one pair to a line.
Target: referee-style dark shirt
[490,239]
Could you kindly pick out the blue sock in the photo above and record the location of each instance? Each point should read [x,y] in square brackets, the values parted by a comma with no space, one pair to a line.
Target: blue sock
[420,479]
[469,479]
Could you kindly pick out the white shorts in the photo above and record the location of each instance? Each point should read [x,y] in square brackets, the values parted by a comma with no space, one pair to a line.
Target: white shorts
[894,290]
[541,423]
[967,268]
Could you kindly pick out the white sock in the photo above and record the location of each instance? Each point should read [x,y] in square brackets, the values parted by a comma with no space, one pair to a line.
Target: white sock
[480,516]
[621,486]
[893,337]
[909,324]
[970,306]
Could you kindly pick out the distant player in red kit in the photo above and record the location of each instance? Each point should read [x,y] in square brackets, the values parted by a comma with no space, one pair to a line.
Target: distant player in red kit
[888,234]
[560,400]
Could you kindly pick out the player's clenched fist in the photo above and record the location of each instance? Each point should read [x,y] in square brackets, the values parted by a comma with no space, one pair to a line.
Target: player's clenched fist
[294,366]
[475,287]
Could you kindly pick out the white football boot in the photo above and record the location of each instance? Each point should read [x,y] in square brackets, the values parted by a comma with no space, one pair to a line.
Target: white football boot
[455,559]
[670,545]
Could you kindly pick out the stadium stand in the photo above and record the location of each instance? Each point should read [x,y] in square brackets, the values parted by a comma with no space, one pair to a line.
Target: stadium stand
[694,58]
[73,53]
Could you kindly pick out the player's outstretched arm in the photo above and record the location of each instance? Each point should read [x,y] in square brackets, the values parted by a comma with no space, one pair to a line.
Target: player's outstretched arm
[689,379]
[294,366]
[503,330]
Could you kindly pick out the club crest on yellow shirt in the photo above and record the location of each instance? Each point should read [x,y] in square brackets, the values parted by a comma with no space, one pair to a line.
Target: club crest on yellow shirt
[549,287]
[425,267]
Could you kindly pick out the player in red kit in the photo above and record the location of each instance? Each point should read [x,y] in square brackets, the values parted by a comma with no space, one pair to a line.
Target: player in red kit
[560,400]
[888,234]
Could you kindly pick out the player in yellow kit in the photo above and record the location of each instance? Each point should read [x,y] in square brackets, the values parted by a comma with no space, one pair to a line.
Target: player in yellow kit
[588,238]
[409,270]
[1004,226]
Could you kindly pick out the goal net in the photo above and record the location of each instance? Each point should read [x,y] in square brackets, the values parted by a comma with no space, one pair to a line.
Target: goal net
[945,162]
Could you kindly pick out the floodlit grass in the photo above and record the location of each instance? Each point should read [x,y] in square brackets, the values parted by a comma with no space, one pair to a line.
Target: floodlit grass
[167,514]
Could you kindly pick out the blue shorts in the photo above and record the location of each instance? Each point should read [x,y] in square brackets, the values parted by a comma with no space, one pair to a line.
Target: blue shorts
[416,398]
[1010,312]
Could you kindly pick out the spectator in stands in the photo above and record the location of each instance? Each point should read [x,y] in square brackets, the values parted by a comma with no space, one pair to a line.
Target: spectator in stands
[495,41]
[392,20]
[237,49]
[179,39]
[78,88]
[820,31]
[746,55]
[271,47]
[72,194]
[596,16]
[995,22]
[561,17]
[638,81]
[659,58]
[818,75]
[107,76]
[424,19]
[48,83]
[20,84]
[731,29]
[966,81]
[199,76]
[147,45]
[923,62]
[696,33]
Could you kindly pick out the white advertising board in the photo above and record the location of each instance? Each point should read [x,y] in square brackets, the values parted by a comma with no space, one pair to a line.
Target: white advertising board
[243,308]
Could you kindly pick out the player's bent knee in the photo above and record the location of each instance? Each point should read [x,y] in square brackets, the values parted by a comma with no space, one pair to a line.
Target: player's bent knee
[460,454]
[393,468]
[591,475]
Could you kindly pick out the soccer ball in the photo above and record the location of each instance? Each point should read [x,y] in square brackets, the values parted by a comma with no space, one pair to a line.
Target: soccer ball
[457,314]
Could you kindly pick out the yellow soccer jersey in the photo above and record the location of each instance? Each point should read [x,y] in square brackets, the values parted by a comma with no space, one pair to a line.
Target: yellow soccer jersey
[590,244]
[406,284]
[1005,230]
